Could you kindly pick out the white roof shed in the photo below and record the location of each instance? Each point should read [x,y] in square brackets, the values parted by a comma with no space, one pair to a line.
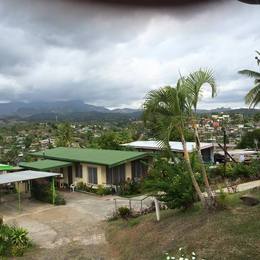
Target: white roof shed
[175,146]
[25,176]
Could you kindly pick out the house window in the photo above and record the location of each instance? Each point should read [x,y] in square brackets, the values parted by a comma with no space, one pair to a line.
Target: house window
[92,175]
[78,168]
[139,169]
[116,175]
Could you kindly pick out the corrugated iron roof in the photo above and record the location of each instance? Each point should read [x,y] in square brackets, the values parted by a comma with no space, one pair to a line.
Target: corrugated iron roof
[24,176]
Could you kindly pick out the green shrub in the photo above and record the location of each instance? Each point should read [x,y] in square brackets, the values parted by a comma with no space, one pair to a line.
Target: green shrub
[254,169]
[222,199]
[59,200]
[128,188]
[171,184]
[124,212]
[101,190]
[13,241]
[237,170]
[240,170]
[81,186]
[43,192]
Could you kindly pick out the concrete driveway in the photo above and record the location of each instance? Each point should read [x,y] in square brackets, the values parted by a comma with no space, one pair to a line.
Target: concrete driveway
[75,230]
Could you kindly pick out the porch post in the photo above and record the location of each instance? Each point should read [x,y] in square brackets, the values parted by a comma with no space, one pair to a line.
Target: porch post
[19,196]
[29,188]
[53,191]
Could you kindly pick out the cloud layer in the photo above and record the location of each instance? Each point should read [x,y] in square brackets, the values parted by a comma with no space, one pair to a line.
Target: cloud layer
[55,50]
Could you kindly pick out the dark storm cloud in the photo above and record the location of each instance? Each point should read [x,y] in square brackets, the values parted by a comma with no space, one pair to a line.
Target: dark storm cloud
[58,50]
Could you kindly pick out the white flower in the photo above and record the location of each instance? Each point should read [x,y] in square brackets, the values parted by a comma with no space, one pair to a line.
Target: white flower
[180,248]
[181,258]
[168,257]
[193,258]
[193,253]
[173,258]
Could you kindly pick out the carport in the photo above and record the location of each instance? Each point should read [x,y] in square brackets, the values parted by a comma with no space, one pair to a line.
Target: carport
[18,177]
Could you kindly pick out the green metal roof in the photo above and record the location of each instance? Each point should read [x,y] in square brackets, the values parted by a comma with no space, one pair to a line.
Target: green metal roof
[44,165]
[5,167]
[95,156]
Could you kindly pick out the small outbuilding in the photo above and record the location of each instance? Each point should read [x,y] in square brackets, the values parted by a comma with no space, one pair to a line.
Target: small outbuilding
[22,181]
[207,149]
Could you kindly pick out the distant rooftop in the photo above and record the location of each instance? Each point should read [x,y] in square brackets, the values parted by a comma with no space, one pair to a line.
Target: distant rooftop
[175,146]
[95,156]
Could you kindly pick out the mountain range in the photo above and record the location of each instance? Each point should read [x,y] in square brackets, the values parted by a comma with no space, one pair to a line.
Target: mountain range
[79,110]
[25,109]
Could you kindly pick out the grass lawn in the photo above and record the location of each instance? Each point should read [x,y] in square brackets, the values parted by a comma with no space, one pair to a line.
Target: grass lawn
[233,233]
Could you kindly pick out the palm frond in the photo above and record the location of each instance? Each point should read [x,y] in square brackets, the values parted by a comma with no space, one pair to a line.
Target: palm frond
[196,80]
[250,73]
[253,96]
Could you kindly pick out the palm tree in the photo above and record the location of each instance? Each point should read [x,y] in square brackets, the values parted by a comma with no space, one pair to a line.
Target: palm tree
[253,96]
[194,84]
[170,105]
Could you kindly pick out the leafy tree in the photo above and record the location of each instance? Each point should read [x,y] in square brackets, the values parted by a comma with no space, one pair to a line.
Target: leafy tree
[64,135]
[253,96]
[1,140]
[170,183]
[256,117]
[108,140]
[250,139]
[28,141]
[89,136]
[11,156]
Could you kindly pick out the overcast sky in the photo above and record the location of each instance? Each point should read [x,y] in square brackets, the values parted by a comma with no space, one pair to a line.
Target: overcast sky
[110,56]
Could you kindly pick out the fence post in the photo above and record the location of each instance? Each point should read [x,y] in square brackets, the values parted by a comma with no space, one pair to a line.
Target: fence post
[19,196]
[157,209]
[115,205]
[130,206]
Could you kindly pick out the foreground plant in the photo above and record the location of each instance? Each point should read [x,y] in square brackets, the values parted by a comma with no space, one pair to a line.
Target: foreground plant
[13,241]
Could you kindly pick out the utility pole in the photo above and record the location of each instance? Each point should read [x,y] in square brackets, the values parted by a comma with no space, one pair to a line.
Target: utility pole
[225,148]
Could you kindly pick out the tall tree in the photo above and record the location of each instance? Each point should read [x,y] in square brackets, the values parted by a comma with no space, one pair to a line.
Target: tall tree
[170,105]
[253,96]
[64,135]
[194,84]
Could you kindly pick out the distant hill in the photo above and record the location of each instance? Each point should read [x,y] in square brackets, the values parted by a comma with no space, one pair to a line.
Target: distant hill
[84,116]
[244,111]
[24,110]
[79,110]
[63,110]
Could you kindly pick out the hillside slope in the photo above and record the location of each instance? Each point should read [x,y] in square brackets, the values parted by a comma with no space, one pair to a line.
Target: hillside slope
[227,234]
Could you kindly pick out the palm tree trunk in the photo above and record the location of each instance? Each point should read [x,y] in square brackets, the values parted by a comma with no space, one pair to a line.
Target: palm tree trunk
[188,163]
[211,198]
